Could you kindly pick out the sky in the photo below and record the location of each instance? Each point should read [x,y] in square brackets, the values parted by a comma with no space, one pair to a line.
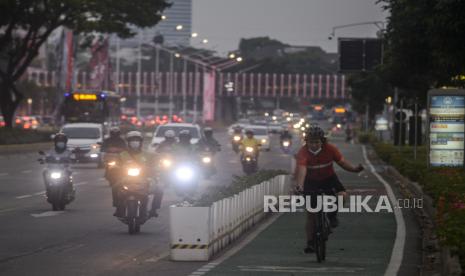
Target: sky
[296,22]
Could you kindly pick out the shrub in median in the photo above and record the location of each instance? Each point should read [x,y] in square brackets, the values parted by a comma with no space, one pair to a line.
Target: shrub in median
[238,184]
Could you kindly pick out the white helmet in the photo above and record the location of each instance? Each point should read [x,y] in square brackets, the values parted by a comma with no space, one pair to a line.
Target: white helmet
[134,135]
[169,133]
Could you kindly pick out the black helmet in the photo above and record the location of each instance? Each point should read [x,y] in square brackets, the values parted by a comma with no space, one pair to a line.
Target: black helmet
[249,132]
[185,136]
[60,137]
[115,132]
[315,132]
[208,131]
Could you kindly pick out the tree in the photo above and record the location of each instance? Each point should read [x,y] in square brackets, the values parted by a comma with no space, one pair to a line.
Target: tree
[25,25]
[370,90]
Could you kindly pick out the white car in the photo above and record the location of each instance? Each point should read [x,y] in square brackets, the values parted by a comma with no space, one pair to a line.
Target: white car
[87,137]
[261,134]
[159,134]
[241,125]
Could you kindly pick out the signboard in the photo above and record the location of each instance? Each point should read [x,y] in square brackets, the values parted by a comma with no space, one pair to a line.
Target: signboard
[359,54]
[446,131]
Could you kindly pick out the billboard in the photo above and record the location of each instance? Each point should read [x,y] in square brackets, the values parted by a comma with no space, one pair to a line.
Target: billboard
[359,54]
[446,131]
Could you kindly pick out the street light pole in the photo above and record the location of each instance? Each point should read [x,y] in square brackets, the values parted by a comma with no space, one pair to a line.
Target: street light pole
[196,91]
[138,80]
[157,77]
[184,89]
[170,113]
[117,65]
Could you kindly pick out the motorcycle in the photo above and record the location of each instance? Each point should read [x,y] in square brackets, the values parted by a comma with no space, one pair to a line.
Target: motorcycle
[208,166]
[58,181]
[249,161]
[181,174]
[236,141]
[286,145]
[134,195]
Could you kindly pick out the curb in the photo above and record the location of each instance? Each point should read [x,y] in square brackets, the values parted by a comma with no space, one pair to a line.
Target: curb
[434,257]
[23,148]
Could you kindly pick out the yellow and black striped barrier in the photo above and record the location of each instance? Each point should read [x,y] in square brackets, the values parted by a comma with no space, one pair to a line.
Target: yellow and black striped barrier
[189,246]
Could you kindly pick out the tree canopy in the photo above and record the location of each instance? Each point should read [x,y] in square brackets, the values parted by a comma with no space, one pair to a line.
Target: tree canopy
[25,25]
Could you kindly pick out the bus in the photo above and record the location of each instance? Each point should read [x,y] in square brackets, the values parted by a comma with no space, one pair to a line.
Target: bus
[92,107]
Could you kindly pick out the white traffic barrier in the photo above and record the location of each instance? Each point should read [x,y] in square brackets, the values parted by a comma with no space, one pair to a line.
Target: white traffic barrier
[197,233]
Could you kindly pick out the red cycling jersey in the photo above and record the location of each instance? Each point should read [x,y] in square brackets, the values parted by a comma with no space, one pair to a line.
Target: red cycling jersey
[320,166]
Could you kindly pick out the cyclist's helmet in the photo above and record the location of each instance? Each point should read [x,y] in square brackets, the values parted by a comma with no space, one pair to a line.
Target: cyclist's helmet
[315,132]
[60,137]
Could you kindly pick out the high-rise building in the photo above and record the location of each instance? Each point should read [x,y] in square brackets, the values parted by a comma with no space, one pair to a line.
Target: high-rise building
[179,14]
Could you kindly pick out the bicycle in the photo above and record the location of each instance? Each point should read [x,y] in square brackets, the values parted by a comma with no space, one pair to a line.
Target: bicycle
[321,232]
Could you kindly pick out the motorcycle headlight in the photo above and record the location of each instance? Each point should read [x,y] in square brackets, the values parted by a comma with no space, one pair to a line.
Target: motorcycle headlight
[249,149]
[237,138]
[166,163]
[338,126]
[206,160]
[55,175]
[112,163]
[248,159]
[286,143]
[133,172]
[93,155]
[302,128]
[95,146]
[263,141]
[184,173]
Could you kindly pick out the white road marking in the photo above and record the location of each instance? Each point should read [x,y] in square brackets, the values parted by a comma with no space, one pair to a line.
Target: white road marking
[3,174]
[399,243]
[26,171]
[156,259]
[23,196]
[101,179]
[40,193]
[48,214]
[250,237]
[81,183]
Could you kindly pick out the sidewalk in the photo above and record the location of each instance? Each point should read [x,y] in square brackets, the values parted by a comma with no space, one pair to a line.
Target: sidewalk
[361,245]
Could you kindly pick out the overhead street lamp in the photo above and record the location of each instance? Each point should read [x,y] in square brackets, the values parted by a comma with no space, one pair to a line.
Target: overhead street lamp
[379,24]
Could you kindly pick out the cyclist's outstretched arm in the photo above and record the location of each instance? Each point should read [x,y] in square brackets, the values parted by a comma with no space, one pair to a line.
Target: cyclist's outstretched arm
[349,167]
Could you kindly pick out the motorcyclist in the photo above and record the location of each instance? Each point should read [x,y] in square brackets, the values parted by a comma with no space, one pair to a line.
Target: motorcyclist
[114,141]
[285,135]
[135,154]
[315,172]
[184,147]
[250,141]
[113,145]
[168,144]
[209,142]
[60,151]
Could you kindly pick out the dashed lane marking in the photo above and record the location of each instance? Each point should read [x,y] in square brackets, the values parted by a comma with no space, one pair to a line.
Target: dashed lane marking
[47,214]
[4,174]
[26,171]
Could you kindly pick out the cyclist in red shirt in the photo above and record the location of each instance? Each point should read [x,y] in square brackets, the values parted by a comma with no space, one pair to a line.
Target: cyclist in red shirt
[315,171]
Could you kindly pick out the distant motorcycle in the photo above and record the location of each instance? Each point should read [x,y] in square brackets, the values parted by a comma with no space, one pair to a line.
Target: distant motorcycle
[286,145]
[235,143]
[249,161]
[58,181]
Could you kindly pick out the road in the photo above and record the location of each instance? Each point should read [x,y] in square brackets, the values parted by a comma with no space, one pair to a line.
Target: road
[87,240]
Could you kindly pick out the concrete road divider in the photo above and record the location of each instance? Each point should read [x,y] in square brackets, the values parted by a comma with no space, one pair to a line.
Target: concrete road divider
[198,233]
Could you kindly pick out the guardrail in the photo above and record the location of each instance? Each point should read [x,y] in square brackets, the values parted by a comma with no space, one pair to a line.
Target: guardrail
[198,233]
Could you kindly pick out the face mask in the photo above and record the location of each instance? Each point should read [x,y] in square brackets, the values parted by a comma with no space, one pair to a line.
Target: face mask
[314,152]
[60,145]
[134,144]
